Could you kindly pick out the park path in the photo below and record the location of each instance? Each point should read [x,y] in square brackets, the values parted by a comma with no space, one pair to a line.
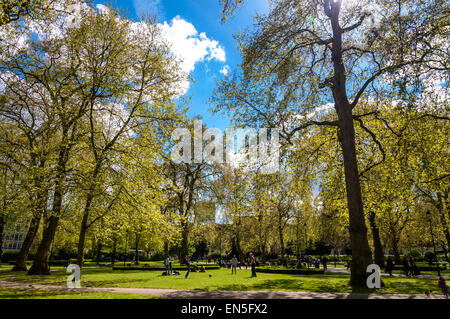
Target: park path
[199,294]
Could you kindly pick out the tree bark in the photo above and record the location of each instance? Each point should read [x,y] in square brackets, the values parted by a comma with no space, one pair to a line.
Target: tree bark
[377,245]
[397,258]
[114,252]
[136,252]
[99,251]
[361,254]
[280,234]
[21,262]
[2,227]
[83,230]
[166,249]
[184,242]
[40,263]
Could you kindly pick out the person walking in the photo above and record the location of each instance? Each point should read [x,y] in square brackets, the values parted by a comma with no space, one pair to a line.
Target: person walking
[253,264]
[324,262]
[234,263]
[188,264]
[405,264]
[444,287]
[414,270]
[389,265]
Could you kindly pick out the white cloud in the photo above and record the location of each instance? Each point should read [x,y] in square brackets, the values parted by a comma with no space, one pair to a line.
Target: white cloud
[225,70]
[190,46]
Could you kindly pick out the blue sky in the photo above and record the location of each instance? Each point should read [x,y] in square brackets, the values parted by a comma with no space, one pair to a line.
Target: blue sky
[217,40]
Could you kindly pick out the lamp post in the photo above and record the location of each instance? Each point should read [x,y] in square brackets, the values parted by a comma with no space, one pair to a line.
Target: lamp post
[432,241]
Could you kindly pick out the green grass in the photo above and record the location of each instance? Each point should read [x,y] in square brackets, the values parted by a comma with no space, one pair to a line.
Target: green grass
[223,280]
[44,294]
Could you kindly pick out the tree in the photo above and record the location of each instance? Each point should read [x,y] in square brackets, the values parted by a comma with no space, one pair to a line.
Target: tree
[14,10]
[305,55]
[144,61]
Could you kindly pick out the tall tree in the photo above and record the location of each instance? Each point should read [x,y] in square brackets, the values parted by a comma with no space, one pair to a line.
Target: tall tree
[305,55]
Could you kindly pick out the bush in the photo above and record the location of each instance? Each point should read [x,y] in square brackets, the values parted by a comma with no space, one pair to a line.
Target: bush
[159,255]
[301,265]
[215,255]
[9,256]
[430,257]
[291,271]
[416,254]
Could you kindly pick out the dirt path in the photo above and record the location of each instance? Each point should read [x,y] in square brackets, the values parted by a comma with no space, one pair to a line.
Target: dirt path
[199,294]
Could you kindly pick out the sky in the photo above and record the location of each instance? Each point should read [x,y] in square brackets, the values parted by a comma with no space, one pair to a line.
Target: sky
[206,45]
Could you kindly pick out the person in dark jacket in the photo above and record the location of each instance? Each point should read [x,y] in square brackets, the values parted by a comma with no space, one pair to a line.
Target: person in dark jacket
[253,264]
[405,264]
[188,264]
[389,265]
[414,270]
[324,262]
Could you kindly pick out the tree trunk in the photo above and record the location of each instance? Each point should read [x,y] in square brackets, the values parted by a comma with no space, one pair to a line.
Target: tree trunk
[166,249]
[21,262]
[184,242]
[361,254]
[445,227]
[99,251]
[114,251]
[136,252]
[378,247]
[83,230]
[280,232]
[2,227]
[40,263]
[397,258]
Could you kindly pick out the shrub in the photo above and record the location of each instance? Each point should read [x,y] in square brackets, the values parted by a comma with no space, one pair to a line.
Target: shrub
[301,265]
[9,256]
[430,257]
[159,255]
[416,254]
[291,271]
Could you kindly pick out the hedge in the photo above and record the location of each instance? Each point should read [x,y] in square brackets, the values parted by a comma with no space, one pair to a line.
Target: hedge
[291,271]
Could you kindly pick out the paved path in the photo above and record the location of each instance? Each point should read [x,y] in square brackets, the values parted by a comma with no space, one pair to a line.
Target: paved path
[199,294]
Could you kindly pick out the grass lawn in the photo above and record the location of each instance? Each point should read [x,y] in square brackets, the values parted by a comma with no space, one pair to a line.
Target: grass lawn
[223,280]
[42,294]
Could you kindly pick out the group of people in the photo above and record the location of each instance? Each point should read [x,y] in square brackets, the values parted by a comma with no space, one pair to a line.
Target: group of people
[233,263]
[315,262]
[409,266]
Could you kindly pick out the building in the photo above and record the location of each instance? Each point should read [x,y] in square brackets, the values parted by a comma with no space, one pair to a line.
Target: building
[14,234]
